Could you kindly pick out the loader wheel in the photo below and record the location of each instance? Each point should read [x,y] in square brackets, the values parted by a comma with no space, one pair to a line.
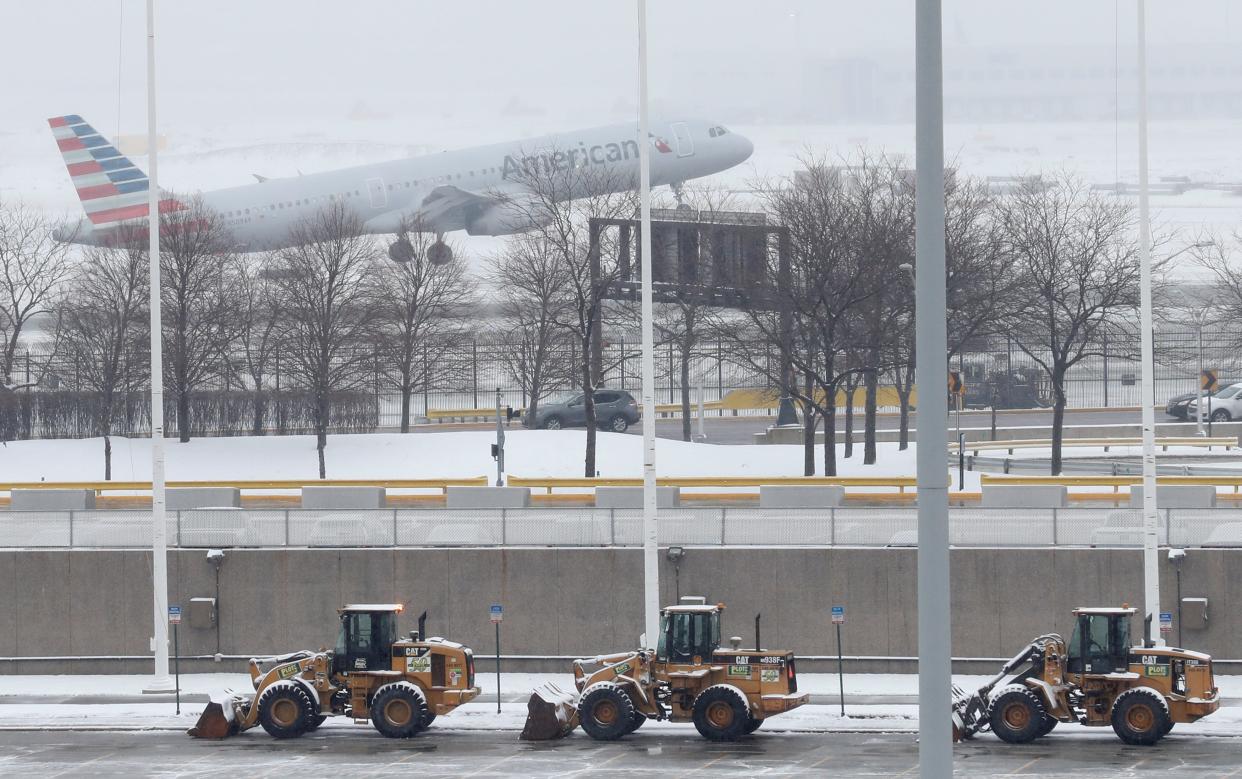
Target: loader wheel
[285,710]
[1048,724]
[636,722]
[721,713]
[397,710]
[315,721]
[606,712]
[428,718]
[1140,717]
[753,724]
[1017,715]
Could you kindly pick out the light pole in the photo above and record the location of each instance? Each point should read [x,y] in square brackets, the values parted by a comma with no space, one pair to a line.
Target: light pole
[1151,563]
[931,346]
[160,682]
[651,560]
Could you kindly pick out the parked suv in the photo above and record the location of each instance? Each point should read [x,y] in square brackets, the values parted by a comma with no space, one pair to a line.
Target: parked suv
[615,410]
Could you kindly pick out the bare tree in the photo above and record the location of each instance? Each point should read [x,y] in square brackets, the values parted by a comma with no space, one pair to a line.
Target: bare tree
[327,312]
[199,303]
[530,281]
[258,318]
[421,312]
[105,332]
[34,268]
[561,194]
[1077,272]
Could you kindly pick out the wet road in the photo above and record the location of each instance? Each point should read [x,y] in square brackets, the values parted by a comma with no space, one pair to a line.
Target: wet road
[447,753]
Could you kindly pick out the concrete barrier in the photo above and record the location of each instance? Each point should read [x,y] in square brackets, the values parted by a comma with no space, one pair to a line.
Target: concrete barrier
[1025,496]
[52,500]
[632,497]
[797,496]
[343,497]
[1177,496]
[487,497]
[181,498]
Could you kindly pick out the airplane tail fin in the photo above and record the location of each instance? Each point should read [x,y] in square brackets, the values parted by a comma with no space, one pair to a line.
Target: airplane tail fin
[111,187]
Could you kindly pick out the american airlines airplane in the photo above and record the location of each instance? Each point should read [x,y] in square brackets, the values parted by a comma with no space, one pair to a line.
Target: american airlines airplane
[479,190]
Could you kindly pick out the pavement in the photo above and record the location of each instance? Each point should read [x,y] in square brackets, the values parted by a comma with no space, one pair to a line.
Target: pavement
[443,752]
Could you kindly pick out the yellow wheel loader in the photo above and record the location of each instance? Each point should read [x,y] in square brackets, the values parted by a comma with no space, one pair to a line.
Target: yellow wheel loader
[400,685]
[1096,679]
[726,693]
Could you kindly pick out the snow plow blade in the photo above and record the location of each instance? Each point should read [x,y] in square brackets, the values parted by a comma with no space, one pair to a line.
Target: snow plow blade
[216,722]
[969,714]
[550,714]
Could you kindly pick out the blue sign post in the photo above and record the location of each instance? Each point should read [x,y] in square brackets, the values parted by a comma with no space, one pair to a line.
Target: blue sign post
[838,619]
[174,618]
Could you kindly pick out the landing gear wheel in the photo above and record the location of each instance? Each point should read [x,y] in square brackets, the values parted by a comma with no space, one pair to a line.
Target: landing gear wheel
[428,718]
[285,710]
[397,710]
[401,250]
[1140,717]
[606,712]
[618,424]
[1017,715]
[439,253]
[753,724]
[721,713]
[552,423]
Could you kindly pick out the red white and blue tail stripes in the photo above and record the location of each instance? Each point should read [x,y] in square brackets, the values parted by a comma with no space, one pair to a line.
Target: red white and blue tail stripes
[112,189]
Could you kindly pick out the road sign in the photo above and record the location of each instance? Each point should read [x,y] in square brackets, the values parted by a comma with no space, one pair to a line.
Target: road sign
[1166,622]
[497,612]
[174,615]
[957,385]
[838,615]
[1208,381]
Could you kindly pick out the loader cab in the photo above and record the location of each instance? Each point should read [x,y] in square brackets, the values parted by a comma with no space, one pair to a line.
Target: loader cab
[364,641]
[689,632]
[1100,643]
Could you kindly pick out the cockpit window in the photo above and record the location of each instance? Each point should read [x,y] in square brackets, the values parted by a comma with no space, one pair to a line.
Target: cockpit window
[716,132]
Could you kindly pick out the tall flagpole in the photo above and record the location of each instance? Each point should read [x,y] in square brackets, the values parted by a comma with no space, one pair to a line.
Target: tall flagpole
[651,554]
[1151,520]
[931,350]
[159,541]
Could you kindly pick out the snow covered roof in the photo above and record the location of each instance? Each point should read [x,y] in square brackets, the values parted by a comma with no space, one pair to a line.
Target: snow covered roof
[372,607]
[1103,610]
[693,609]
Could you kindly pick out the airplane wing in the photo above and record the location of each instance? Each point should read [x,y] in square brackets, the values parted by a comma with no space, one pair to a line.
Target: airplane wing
[444,209]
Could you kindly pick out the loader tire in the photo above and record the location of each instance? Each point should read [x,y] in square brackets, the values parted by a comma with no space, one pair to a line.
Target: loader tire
[606,712]
[753,724]
[1140,716]
[1017,715]
[428,718]
[637,722]
[285,710]
[1048,724]
[721,713]
[397,710]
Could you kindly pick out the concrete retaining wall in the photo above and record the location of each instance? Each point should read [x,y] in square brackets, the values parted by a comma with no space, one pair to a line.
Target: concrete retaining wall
[782,496]
[52,500]
[487,497]
[1025,496]
[1177,496]
[179,498]
[343,497]
[581,602]
[632,497]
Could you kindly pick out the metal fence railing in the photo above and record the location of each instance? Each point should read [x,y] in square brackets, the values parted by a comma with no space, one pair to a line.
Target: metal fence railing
[567,526]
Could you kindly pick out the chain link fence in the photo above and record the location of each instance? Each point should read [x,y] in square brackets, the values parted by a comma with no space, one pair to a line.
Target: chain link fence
[433,527]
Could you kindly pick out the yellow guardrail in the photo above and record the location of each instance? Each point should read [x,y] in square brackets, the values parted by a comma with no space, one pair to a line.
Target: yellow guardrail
[1116,482]
[251,484]
[1045,443]
[461,413]
[900,483]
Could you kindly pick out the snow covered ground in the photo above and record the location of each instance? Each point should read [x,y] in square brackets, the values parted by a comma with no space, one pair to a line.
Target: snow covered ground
[46,703]
[461,453]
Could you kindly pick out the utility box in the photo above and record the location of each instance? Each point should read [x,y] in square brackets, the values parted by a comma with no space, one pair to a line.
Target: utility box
[202,613]
[1194,613]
